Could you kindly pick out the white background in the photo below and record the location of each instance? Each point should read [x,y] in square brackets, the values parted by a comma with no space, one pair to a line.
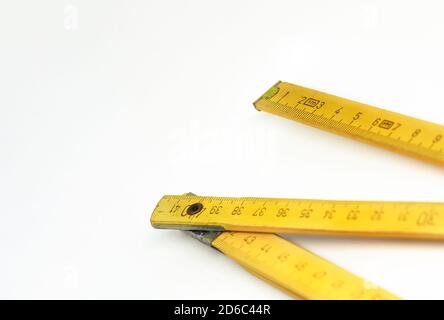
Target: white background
[105,106]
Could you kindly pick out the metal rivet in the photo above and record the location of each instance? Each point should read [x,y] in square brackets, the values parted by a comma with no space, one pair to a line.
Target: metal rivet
[194,208]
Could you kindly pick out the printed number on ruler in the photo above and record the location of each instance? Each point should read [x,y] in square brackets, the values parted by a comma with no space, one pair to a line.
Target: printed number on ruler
[421,220]
[294,269]
[418,138]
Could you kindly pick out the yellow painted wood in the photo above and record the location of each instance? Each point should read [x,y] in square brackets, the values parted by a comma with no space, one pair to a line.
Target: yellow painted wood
[294,269]
[421,139]
[411,220]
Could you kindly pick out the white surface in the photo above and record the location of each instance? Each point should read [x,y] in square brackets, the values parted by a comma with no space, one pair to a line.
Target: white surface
[105,106]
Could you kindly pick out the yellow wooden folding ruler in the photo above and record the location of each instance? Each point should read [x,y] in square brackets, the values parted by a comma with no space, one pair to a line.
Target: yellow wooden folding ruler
[243,228]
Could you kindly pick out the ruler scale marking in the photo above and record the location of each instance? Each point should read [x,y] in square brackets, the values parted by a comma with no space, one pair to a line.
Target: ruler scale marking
[397,132]
[412,220]
[292,268]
